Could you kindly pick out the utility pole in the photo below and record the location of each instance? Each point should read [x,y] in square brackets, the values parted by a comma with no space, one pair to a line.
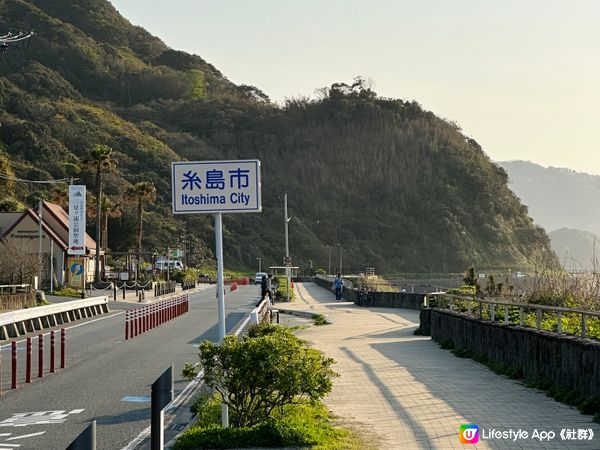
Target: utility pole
[340,258]
[329,261]
[41,208]
[287,247]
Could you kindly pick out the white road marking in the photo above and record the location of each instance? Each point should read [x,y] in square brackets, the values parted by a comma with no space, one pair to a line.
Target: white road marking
[134,399]
[25,436]
[38,418]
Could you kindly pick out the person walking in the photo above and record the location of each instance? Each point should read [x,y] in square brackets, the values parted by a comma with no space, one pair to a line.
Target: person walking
[265,288]
[338,284]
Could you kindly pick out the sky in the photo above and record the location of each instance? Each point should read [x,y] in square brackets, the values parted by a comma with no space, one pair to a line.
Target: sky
[520,77]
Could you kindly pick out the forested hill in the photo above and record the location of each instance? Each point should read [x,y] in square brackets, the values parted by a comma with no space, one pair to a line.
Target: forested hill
[397,187]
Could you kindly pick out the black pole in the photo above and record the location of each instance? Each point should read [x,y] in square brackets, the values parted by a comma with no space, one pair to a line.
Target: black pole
[86,440]
[162,395]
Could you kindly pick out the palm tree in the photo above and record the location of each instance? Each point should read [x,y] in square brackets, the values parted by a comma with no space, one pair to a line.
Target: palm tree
[100,160]
[138,194]
[108,210]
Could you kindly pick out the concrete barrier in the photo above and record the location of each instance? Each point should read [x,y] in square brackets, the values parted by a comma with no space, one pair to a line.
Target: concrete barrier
[17,323]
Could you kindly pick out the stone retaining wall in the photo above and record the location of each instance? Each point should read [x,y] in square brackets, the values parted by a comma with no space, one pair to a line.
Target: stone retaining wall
[381,299]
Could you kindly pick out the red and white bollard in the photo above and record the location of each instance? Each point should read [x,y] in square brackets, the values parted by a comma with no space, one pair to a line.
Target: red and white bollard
[52,350]
[41,356]
[28,362]
[63,349]
[13,384]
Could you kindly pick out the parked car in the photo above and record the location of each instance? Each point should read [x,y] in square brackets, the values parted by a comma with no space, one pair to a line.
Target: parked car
[259,276]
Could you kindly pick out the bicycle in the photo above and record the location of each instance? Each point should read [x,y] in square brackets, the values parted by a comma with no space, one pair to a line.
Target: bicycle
[365,298]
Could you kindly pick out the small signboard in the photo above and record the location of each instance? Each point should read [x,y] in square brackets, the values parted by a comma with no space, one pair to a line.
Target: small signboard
[211,187]
[76,220]
[76,268]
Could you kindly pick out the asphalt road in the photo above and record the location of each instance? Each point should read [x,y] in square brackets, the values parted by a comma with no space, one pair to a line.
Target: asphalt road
[102,369]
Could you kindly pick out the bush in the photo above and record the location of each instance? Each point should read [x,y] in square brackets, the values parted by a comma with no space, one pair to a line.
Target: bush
[264,372]
[319,319]
[306,424]
[67,292]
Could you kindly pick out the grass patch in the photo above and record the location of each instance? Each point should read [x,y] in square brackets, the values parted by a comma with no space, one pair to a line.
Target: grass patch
[319,319]
[66,292]
[304,425]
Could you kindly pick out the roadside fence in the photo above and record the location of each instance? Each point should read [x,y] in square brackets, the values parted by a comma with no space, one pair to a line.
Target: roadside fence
[141,320]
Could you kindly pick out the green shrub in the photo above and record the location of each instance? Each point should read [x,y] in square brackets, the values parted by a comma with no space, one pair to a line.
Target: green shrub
[207,409]
[263,372]
[67,292]
[319,319]
[305,424]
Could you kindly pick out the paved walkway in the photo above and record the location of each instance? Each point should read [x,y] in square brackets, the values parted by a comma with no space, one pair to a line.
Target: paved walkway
[414,395]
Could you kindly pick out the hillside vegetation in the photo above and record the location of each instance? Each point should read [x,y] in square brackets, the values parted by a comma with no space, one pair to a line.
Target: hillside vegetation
[399,188]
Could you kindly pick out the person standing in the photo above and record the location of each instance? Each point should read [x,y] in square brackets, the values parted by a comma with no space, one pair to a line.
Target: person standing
[265,288]
[338,284]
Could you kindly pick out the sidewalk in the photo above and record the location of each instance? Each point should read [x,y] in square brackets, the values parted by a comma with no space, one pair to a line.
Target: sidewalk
[412,394]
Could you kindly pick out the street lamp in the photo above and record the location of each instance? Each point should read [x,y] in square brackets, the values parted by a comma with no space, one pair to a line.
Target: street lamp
[340,271]
[329,261]
[287,247]
[259,264]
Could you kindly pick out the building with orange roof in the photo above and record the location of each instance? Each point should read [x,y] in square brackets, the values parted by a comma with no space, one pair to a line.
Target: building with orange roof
[23,230]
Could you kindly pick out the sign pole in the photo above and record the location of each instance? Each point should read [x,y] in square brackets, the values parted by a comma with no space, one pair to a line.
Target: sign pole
[221,298]
[287,249]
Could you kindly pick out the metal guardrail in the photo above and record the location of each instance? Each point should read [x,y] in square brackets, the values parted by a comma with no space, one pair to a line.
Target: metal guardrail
[258,314]
[15,288]
[511,313]
[16,323]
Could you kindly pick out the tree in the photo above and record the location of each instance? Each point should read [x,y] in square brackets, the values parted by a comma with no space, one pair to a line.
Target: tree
[470,278]
[110,210]
[262,372]
[100,160]
[139,194]
[17,265]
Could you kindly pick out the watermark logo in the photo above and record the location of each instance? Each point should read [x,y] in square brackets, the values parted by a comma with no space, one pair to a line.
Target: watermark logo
[468,433]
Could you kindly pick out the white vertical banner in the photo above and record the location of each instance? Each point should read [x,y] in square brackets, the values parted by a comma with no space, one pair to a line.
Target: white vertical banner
[76,220]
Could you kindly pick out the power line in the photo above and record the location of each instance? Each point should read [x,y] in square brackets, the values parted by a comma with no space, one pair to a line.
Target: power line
[10,38]
[22,180]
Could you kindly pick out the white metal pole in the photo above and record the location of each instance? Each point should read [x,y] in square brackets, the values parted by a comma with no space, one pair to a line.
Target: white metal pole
[41,206]
[51,266]
[221,298]
[287,249]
